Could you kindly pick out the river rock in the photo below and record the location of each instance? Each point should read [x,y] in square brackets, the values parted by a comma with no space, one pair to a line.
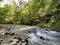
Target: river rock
[28,35]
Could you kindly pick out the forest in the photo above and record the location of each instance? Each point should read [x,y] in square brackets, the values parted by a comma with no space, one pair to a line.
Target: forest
[45,13]
[29,22]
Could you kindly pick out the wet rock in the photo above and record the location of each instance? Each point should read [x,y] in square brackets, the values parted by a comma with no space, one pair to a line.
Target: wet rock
[26,40]
[42,38]
[7,33]
[13,41]
[25,43]
[10,41]
[12,34]
[19,43]
[1,40]
[18,38]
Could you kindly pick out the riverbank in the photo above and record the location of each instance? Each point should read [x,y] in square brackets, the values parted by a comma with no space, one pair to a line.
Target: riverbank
[28,35]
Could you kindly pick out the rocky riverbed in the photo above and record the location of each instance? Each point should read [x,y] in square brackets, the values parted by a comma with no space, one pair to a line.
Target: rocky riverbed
[28,35]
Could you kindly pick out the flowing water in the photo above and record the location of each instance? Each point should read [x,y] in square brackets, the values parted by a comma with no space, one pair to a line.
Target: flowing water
[35,35]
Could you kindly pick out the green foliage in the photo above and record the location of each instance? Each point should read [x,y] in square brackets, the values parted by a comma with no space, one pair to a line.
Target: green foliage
[44,13]
[0,0]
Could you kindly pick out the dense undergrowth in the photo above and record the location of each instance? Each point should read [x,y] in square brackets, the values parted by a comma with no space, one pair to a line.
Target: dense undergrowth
[45,13]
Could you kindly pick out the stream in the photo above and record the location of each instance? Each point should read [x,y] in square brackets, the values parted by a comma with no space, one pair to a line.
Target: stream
[28,35]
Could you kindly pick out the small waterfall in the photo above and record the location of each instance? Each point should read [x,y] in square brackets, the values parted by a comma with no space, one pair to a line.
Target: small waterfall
[43,37]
